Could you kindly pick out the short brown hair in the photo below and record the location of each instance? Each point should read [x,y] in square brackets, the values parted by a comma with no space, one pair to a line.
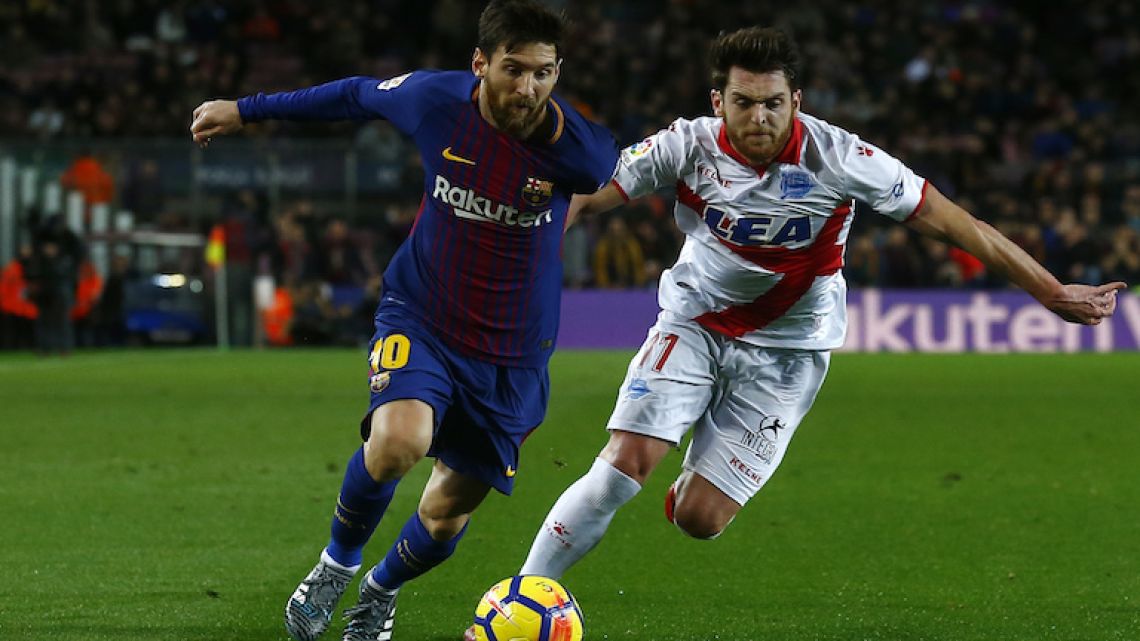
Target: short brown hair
[517,22]
[757,49]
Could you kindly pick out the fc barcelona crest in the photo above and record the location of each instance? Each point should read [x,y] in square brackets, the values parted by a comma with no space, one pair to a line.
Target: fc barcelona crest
[537,192]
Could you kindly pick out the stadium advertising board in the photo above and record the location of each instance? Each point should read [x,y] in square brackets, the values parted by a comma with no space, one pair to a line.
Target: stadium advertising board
[885,321]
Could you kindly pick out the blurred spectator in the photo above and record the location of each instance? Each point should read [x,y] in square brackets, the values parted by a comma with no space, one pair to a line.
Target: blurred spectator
[341,263]
[17,311]
[902,264]
[143,193]
[240,222]
[313,321]
[88,291]
[88,176]
[659,248]
[53,276]
[618,259]
[1122,259]
[576,271]
[277,319]
[861,266]
[109,318]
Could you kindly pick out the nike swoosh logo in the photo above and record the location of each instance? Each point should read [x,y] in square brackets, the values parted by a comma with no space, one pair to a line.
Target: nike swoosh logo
[510,471]
[447,155]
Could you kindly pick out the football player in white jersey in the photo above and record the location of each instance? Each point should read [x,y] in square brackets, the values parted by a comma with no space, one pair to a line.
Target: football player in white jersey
[755,300]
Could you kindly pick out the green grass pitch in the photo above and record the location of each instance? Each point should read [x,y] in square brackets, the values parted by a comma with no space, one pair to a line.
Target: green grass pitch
[180,495]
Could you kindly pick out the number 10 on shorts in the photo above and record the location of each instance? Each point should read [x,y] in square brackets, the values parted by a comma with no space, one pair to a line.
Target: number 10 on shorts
[390,352]
[660,346]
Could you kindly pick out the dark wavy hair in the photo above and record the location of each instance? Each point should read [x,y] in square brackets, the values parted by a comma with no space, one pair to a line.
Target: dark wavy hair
[516,22]
[757,49]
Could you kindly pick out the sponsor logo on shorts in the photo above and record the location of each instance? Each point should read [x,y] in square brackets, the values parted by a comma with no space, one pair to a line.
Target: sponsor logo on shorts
[379,382]
[746,471]
[772,424]
[637,389]
[763,441]
[759,445]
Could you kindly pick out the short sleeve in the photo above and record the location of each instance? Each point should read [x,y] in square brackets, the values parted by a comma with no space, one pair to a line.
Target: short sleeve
[658,161]
[881,180]
[602,158]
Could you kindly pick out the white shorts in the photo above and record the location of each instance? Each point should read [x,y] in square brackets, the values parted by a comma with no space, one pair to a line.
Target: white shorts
[743,401]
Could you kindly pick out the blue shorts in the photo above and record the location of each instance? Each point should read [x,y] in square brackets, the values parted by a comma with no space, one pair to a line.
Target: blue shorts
[483,411]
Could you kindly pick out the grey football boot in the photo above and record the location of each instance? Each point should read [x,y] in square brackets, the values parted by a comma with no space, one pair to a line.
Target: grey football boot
[371,619]
[310,609]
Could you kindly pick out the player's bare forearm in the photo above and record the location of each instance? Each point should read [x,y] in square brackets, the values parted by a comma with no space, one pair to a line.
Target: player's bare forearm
[598,202]
[942,219]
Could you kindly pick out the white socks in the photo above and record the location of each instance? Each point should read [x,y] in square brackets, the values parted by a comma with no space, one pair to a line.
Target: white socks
[578,519]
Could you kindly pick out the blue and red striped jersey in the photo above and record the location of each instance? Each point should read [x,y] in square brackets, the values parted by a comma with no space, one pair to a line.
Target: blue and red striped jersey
[483,264]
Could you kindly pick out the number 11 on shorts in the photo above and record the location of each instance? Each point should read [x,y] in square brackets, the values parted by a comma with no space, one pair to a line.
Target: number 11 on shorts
[660,345]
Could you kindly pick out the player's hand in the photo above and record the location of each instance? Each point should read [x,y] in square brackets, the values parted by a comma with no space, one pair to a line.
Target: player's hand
[1085,304]
[215,118]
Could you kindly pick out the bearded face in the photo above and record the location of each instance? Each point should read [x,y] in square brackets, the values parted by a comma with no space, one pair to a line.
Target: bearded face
[517,86]
[758,109]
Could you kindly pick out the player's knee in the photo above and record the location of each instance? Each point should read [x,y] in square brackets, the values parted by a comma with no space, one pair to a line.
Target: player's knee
[634,455]
[443,527]
[389,454]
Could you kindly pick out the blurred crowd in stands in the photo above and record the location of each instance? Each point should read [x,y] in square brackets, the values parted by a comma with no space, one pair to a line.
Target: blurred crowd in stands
[1021,111]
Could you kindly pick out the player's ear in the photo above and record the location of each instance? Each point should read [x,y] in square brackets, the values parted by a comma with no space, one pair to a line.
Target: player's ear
[797,99]
[479,63]
[717,101]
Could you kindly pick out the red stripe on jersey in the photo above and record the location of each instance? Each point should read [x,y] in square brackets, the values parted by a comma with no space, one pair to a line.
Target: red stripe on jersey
[921,202]
[621,191]
[419,212]
[798,267]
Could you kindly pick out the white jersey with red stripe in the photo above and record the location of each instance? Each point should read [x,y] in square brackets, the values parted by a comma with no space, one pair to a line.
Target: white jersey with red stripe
[764,246]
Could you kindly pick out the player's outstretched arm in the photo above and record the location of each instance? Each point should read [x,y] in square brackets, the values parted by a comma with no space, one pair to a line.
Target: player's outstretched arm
[942,219]
[215,118]
[356,98]
[598,202]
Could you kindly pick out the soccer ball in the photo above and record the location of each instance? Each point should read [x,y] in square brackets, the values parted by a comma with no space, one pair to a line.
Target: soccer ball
[528,608]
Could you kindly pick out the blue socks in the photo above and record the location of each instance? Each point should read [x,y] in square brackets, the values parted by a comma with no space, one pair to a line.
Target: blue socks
[361,504]
[414,553]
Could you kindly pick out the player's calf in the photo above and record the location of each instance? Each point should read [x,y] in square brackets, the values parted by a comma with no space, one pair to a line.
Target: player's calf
[698,508]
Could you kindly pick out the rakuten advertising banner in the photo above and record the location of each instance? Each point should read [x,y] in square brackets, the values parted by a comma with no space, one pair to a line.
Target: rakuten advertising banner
[885,321]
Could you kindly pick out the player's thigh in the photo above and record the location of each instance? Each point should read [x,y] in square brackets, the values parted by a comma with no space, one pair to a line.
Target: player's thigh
[448,500]
[670,381]
[410,389]
[740,441]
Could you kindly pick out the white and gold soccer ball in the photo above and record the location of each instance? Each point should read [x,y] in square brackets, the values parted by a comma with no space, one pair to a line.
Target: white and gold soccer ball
[528,608]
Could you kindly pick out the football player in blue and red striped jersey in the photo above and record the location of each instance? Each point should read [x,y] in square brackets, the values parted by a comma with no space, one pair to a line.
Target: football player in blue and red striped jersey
[470,305]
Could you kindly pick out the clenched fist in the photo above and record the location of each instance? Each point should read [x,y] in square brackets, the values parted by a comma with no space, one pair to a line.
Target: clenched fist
[214,118]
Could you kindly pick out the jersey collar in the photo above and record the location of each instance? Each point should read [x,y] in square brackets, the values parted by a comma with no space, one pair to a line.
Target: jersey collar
[554,116]
[789,155]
